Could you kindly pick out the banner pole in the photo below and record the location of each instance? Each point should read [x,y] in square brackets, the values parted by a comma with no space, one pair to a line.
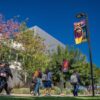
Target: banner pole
[90,55]
[83,15]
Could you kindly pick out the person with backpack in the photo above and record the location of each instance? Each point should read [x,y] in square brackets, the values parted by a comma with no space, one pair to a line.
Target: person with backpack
[5,73]
[38,76]
[75,80]
[49,81]
[44,82]
[33,84]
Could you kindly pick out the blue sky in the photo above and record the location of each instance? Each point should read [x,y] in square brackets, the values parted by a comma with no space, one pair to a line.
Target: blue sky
[57,18]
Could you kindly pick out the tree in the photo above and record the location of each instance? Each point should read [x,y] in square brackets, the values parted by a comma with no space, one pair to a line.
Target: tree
[29,48]
[77,61]
[8,30]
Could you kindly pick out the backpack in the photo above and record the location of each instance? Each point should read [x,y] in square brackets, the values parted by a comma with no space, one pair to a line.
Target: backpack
[65,66]
[44,77]
[74,79]
[39,74]
[36,74]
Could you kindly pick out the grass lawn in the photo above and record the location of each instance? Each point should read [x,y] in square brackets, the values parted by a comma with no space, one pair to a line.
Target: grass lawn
[48,98]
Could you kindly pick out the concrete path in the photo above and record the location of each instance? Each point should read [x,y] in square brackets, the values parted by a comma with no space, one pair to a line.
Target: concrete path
[29,95]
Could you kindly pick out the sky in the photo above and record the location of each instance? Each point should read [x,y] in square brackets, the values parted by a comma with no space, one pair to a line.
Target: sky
[57,17]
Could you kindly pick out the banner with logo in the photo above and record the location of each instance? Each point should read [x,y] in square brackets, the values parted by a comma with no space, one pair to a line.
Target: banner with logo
[80,32]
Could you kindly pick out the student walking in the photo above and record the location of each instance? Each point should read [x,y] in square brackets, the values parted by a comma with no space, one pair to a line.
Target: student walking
[5,73]
[75,80]
[38,76]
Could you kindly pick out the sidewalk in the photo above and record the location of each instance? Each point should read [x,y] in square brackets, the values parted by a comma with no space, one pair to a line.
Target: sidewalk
[29,95]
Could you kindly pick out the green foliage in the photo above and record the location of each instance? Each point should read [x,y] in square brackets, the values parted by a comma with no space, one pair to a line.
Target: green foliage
[31,54]
[77,62]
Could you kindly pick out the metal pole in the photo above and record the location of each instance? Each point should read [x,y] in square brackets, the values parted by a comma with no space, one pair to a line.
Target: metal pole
[83,15]
[90,55]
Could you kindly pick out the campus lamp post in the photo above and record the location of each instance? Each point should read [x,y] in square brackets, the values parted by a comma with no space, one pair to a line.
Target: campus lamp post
[79,16]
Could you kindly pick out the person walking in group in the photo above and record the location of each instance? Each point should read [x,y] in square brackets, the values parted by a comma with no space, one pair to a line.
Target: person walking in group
[75,80]
[49,82]
[33,84]
[38,76]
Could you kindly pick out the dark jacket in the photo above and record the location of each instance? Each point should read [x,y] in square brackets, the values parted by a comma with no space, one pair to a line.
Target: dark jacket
[6,70]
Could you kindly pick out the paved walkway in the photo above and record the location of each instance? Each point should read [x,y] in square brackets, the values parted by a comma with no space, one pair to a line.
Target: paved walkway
[29,95]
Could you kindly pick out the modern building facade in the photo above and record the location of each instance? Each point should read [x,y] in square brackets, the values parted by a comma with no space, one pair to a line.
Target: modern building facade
[50,42]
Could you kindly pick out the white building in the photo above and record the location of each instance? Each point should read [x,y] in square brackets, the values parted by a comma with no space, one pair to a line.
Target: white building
[50,42]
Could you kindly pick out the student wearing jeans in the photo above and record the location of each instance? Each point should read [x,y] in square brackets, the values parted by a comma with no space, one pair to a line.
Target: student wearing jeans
[49,82]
